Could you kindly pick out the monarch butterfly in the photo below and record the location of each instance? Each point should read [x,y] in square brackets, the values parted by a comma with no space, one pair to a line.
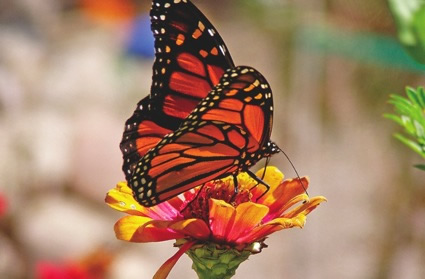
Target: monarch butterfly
[195,126]
[190,58]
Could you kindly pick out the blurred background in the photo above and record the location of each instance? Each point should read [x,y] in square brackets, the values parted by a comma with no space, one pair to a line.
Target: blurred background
[72,71]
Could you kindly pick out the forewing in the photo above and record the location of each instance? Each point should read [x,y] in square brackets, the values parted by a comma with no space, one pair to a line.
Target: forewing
[190,58]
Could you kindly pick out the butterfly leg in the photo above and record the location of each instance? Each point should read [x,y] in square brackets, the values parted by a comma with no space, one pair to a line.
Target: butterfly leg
[235,184]
[259,181]
[196,197]
[265,167]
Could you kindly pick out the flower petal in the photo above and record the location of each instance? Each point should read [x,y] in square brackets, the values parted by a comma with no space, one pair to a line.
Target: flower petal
[248,216]
[144,229]
[284,193]
[306,207]
[195,228]
[221,217]
[163,211]
[273,226]
[279,209]
[166,267]
[272,176]
[121,198]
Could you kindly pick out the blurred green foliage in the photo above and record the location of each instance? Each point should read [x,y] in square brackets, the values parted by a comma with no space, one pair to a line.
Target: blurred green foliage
[409,16]
[410,114]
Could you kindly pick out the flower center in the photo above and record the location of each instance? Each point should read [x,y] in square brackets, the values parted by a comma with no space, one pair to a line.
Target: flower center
[217,189]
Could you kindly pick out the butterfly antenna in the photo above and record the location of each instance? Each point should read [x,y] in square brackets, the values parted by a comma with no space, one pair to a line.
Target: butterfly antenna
[293,167]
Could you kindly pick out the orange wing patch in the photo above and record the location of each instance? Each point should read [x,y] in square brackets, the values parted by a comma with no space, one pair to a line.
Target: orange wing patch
[203,53]
[176,177]
[189,85]
[194,138]
[157,160]
[146,143]
[254,121]
[190,63]
[174,147]
[215,73]
[217,150]
[212,131]
[148,127]
[230,117]
[236,139]
[158,170]
[197,34]
[178,106]
[231,104]
[214,51]
[180,39]
[168,193]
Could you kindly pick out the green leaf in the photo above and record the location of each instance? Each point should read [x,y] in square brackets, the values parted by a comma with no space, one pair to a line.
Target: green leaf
[411,93]
[421,94]
[421,167]
[409,16]
[411,116]
[394,118]
[408,125]
[410,143]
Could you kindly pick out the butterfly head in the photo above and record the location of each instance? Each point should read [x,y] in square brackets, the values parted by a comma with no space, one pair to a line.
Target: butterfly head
[270,148]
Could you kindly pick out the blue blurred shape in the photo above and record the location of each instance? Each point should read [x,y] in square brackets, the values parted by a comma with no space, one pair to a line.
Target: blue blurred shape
[140,41]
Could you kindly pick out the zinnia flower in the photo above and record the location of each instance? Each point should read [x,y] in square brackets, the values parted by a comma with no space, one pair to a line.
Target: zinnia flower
[215,225]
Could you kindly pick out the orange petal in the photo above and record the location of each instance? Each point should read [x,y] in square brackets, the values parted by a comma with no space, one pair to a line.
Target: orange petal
[279,209]
[248,216]
[195,228]
[166,267]
[143,229]
[306,207]
[273,226]
[285,192]
[221,218]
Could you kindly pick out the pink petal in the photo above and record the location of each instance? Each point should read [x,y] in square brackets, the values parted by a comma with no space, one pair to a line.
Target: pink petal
[166,267]
[121,198]
[163,211]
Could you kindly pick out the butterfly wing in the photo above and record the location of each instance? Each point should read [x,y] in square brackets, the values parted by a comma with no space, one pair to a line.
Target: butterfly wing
[190,58]
[225,134]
